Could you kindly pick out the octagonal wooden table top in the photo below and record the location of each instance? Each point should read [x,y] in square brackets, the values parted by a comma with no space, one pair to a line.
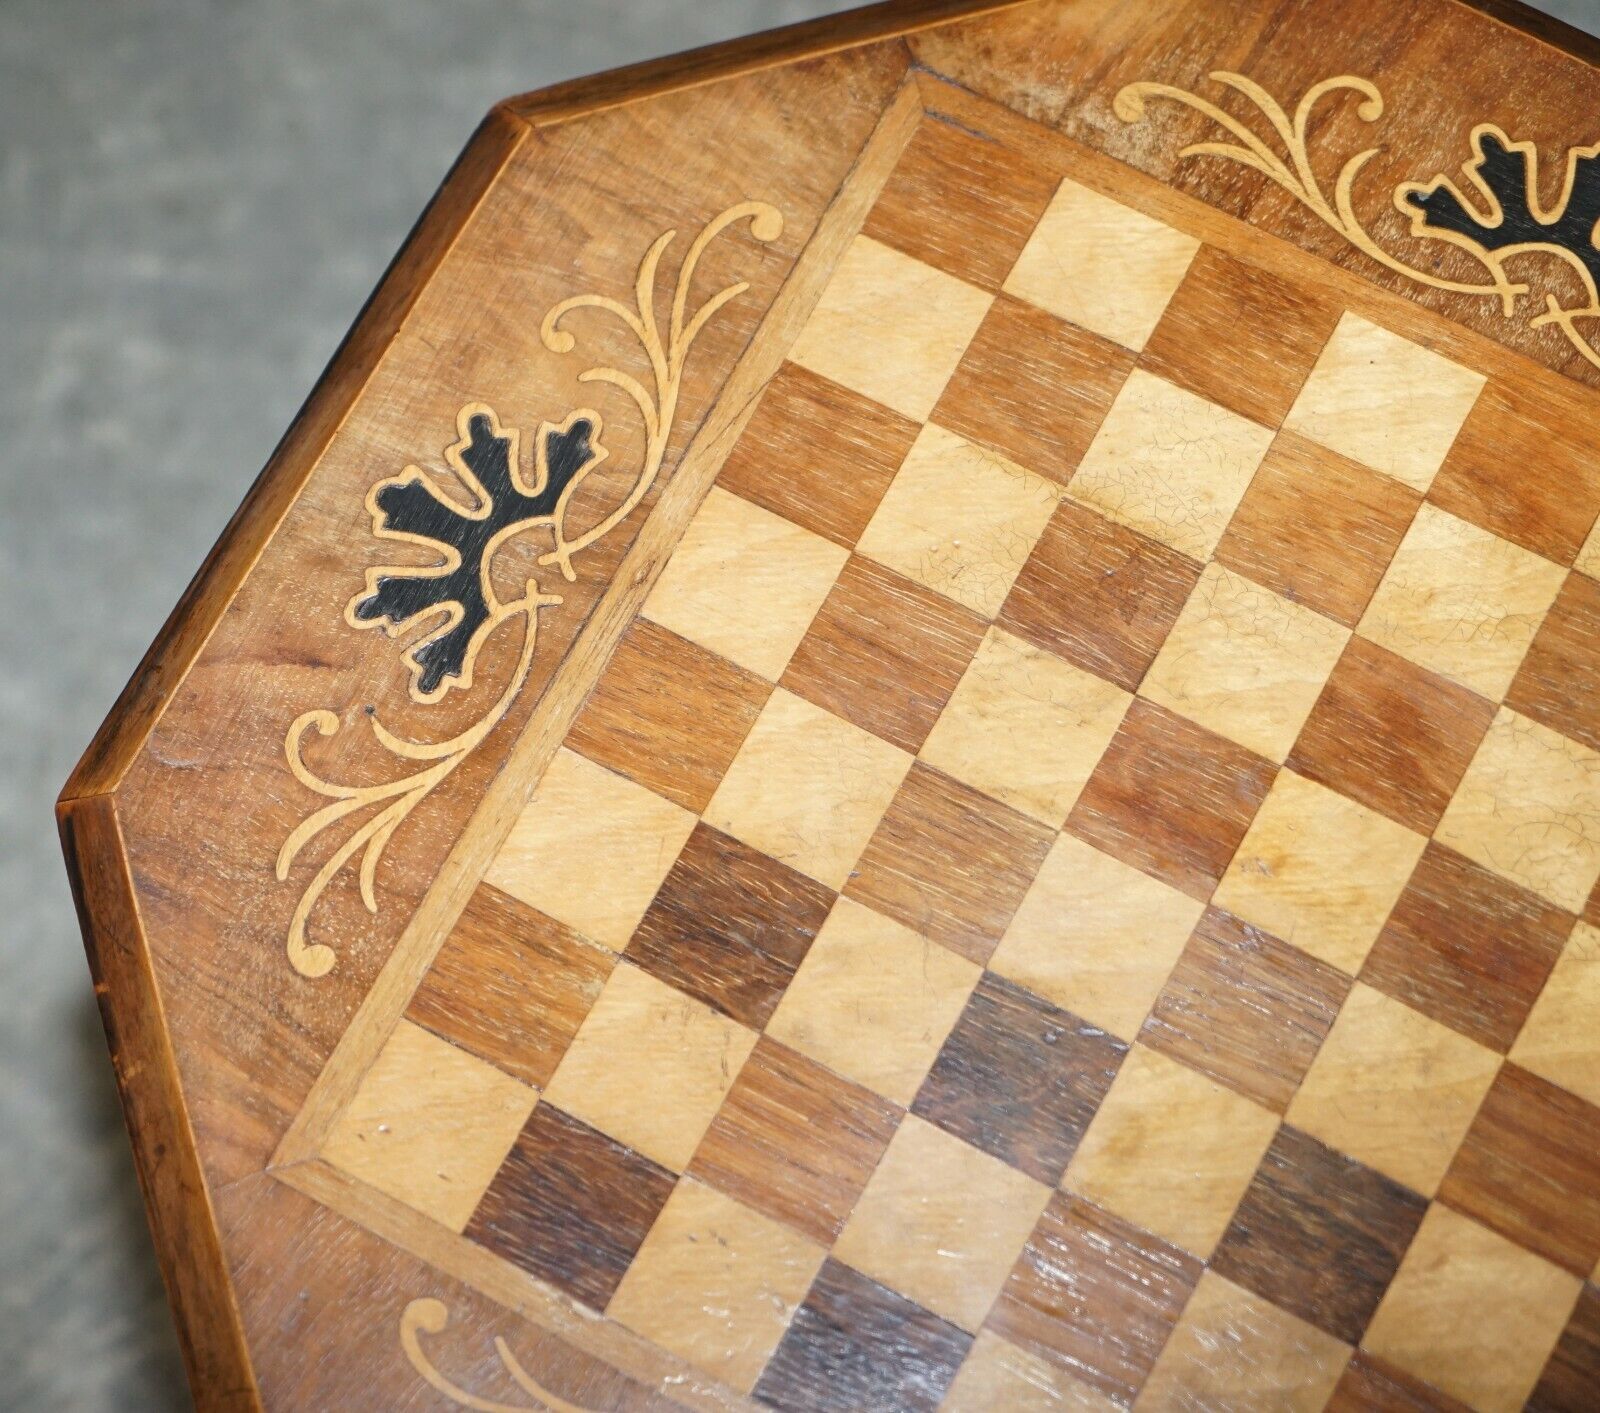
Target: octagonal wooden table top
[914,724]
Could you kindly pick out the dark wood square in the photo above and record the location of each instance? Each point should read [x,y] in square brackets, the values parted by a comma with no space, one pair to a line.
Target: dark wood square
[1571,1379]
[1095,1295]
[795,1141]
[1319,1234]
[1391,735]
[730,926]
[1099,595]
[818,454]
[570,1206]
[511,986]
[1171,798]
[646,716]
[1239,336]
[1523,466]
[1559,680]
[1246,1009]
[1317,527]
[960,202]
[1020,1078]
[884,653]
[856,1344]
[1530,1168]
[950,863]
[1033,388]
[1370,1385]
[1467,947]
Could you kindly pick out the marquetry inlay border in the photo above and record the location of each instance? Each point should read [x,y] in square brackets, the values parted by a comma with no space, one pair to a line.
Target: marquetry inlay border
[452,606]
[1502,220]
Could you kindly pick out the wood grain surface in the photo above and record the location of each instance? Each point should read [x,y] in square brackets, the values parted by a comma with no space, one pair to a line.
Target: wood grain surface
[1039,865]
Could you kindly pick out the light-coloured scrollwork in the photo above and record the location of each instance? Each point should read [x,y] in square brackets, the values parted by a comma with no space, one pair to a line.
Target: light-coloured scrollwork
[1293,171]
[392,801]
[666,356]
[1482,226]
[429,1316]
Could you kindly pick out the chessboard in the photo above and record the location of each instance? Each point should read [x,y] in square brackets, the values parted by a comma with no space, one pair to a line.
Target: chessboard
[1067,881]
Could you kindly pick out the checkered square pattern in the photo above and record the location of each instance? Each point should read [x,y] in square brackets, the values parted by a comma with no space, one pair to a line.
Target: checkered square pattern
[1069,893]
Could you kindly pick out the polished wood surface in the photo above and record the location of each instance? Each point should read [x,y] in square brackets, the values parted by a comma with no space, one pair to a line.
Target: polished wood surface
[912,726]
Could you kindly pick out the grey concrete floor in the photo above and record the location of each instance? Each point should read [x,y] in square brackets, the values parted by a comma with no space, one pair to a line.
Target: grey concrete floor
[195,198]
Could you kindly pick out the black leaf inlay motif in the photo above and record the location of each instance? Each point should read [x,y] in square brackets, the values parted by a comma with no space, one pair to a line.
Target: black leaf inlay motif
[1508,175]
[412,507]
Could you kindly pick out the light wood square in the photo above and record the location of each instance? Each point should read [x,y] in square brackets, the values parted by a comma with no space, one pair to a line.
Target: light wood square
[590,849]
[941,1222]
[650,1067]
[1171,1151]
[716,1283]
[1472,1313]
[807,788]
[960,520]
[874,1001]
[890,327]
[996,1374]
[745,583]
[1461,602]
[1319,871]
[1393,1089]
[1385,401]
[1169,464]
[1096,936]
[1528,808]
[1026,727]
[1101,265]
[429,1125]
[1244,662]
[1232,1349]
[1560,1040]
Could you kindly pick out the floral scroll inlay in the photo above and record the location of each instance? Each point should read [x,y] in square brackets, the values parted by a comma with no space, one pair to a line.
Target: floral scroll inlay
[429,1316]
[453,603]
[1502,220]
